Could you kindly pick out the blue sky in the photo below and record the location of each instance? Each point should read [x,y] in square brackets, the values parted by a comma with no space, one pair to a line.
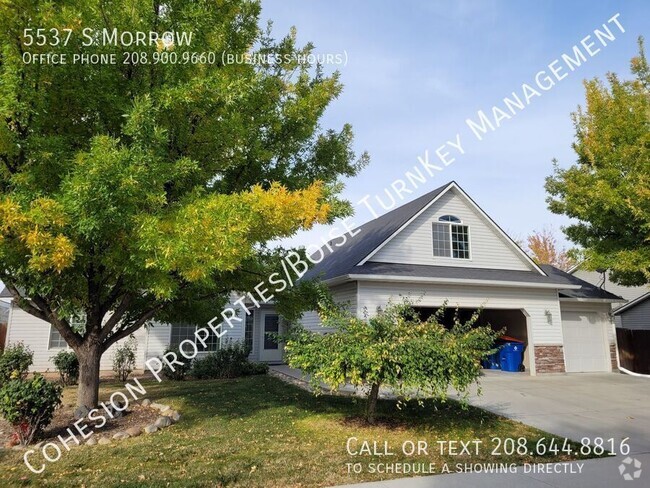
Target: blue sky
[418,69]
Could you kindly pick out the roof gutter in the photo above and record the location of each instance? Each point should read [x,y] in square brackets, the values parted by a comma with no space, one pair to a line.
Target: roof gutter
[592,300]
[449,281]
[632,303]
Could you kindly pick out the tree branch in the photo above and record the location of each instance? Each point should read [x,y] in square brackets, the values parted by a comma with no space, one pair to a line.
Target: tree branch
[62,325]
[113,295]
[26,304]
[112,321]
[123,332]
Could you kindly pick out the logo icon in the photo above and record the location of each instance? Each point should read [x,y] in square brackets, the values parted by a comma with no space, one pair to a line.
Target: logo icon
[630,469]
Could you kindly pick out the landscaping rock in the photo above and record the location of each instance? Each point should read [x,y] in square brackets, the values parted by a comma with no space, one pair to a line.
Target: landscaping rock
[175,416]
[120,436]
[150,429]
[91,442]
[160,407]
[134,431]
[162,422]
[169,413]
[146,402]
[18,447]
[103,441]
[81,412]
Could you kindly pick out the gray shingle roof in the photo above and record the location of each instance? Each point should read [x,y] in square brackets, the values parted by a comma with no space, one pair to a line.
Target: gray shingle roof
[370,235]
[587,290]
[343,261]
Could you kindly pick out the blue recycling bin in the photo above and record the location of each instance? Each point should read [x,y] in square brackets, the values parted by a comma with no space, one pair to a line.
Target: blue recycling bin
[493,361]
[512,355]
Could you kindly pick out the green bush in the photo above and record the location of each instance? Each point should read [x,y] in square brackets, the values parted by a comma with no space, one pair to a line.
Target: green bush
[67,365]
[28,405]
[255,368]
[15,362]
[393,348]
[230,361]
[124,359]
[179,373]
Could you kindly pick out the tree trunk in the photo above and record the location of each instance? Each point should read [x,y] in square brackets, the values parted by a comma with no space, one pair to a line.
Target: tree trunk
[88,392]
[372,403]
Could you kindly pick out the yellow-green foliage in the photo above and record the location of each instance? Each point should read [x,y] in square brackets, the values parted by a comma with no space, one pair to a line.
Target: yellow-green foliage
[608,190]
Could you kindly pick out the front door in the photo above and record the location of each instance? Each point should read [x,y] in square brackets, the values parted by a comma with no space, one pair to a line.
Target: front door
[271,351]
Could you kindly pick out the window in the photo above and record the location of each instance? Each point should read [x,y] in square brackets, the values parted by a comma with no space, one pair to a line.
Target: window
[248,331]
[450,218]
[56,340]
[183,331]
[271,327]
[450,238]
[77,323]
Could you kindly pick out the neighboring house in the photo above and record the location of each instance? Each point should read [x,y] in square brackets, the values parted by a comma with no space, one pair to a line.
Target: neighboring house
[439,248]
[601,280]
[634,315]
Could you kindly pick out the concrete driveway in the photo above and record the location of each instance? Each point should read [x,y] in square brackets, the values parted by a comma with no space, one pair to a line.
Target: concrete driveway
[573,405]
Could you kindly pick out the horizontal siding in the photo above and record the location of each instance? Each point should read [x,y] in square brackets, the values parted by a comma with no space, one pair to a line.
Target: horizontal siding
[151,341]
[534,302]
[35,333]
[158,336]
[310,321]
[345,294]
[414,244]
[637,317]
[602,310]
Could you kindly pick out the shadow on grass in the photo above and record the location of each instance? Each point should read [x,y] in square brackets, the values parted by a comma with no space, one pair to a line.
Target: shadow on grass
[247,397]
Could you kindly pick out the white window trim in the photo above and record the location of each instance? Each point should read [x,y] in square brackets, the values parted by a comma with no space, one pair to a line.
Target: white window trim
[196,341]
[49,336]
[451,242]
[253,318]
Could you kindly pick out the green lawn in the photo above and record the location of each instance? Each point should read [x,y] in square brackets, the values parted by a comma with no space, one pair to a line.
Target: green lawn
[259,431]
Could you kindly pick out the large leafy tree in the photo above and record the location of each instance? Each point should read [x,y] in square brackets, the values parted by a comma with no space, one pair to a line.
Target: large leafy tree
[139,192]
[608,189]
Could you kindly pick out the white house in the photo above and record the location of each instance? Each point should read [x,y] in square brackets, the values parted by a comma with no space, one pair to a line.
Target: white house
[441,247]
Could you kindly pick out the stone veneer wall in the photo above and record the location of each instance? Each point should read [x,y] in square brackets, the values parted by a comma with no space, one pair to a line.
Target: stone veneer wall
[612,353]
[549,359]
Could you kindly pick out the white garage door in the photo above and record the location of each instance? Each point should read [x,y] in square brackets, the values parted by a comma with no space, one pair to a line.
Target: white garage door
[585,346]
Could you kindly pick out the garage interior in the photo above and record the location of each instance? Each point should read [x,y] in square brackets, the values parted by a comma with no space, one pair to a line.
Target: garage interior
[512,323]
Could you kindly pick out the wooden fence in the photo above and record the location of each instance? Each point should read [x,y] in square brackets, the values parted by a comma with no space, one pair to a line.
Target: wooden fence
[3,335]
[634,349]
